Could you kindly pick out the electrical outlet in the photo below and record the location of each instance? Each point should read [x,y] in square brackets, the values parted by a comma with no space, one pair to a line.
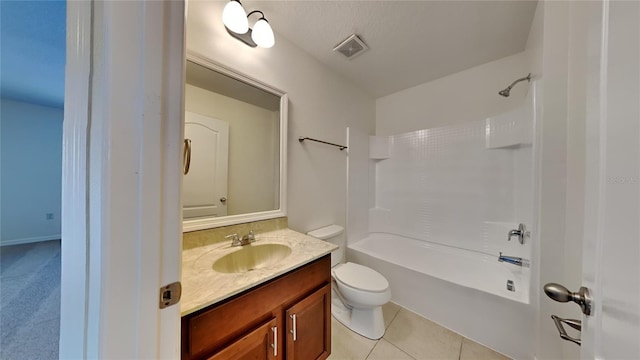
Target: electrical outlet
[49,216]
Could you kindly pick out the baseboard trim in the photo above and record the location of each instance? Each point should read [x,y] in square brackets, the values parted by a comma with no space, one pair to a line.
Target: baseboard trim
[29,240]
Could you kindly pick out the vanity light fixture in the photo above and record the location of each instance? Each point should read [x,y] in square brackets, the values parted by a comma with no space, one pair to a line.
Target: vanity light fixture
[235,18]
[236,21]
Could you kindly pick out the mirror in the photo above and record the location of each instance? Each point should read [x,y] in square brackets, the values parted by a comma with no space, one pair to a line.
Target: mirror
[234,149]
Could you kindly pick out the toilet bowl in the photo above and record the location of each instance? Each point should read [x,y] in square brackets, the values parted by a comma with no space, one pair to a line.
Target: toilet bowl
[358,292]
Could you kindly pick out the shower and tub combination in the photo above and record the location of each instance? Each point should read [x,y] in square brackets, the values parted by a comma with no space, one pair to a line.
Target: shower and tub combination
[450,214]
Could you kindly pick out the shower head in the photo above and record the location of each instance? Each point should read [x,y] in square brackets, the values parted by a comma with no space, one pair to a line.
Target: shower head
[506,92]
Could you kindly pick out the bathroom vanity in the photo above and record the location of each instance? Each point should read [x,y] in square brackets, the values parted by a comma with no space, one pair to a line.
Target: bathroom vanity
[268,299]
[281,310]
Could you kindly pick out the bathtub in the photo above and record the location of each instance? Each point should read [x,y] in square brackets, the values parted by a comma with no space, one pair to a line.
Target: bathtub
[465,291]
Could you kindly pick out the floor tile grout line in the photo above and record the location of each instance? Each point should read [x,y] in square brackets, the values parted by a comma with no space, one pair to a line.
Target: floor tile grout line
[460,351]
[394,317]
[409,355]
[385,330]
[370,351]
[391,342]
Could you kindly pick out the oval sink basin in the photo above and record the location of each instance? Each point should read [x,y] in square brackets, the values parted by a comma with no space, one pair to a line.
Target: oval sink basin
[251,257]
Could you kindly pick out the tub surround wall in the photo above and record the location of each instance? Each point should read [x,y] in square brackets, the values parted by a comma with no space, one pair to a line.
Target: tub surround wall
[440,185]
[463,185]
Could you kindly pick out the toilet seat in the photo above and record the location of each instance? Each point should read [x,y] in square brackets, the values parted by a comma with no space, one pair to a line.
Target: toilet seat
[360,277]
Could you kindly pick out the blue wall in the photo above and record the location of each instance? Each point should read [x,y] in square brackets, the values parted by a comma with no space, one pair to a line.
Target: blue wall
[30,171]
[33,48]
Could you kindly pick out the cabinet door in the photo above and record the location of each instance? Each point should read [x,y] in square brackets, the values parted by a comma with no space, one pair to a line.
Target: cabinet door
[259,344]
[309,326]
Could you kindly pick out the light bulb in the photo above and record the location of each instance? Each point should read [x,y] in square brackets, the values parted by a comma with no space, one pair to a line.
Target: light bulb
[235,18]
[262,34]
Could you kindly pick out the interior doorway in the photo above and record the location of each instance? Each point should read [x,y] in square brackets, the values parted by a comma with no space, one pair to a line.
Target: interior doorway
[33,38]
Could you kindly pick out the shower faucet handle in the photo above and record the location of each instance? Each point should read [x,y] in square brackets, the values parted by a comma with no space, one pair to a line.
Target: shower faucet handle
[521,232]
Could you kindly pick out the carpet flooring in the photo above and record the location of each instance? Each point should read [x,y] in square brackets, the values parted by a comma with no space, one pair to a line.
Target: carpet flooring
[30,301]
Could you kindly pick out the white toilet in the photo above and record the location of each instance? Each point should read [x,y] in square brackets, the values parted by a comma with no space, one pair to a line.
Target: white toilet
[358,292]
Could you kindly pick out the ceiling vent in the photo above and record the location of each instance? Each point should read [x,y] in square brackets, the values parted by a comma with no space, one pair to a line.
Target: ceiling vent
[351,47]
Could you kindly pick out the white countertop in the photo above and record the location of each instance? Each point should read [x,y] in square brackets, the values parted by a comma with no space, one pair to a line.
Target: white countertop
[203,286]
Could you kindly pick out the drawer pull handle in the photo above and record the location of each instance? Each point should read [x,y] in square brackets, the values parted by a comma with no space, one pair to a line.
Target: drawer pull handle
[294,330]
[275,341]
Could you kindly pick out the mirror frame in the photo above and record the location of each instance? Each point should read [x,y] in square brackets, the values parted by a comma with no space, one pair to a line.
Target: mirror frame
[213,222]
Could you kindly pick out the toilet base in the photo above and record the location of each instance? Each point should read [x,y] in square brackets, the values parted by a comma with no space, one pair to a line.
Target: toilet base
[366,322]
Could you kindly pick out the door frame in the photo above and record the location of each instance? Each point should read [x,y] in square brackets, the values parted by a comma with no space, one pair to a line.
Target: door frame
[612,192]
[121,211]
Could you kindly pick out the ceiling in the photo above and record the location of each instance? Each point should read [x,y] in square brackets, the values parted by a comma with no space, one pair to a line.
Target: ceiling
[410,42]
[32,56]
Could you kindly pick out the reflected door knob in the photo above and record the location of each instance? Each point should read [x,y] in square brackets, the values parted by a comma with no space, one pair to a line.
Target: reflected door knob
[560,293]
[223,199]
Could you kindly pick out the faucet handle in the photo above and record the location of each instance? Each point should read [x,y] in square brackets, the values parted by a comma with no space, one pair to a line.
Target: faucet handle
[521,233]
[235,240]
[250,236]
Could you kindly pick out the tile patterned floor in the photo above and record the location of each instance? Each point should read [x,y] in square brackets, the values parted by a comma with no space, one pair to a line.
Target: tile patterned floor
[408,336]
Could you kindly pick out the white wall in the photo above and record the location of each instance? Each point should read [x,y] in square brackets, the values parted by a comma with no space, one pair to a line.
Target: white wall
[31,170]
[321,105]
[253,148]
[458,98]
[358,185]
[533,49]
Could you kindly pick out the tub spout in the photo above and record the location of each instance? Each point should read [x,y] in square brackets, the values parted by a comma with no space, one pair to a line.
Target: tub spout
[518,261]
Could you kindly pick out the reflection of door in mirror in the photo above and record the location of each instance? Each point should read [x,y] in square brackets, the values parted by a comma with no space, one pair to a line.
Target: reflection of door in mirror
[253,118]
[205,185]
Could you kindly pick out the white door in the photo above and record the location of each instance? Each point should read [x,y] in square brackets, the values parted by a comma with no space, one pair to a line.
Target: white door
[204,189]
[611,253]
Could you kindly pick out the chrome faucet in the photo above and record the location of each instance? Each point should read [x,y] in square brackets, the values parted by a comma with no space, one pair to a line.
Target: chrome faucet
[521,232]
[518,261]
[245,240]
[249,238]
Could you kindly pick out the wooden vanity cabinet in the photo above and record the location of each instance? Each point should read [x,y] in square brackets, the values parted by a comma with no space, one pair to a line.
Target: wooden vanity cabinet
[259,323]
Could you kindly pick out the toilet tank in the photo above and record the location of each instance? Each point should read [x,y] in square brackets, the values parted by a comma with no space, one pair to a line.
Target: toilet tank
[335,235]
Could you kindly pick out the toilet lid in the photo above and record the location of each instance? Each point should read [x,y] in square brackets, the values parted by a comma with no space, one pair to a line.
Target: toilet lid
[361,277]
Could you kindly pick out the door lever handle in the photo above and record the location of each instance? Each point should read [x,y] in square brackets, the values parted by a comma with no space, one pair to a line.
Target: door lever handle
[576,324]
[560,293]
